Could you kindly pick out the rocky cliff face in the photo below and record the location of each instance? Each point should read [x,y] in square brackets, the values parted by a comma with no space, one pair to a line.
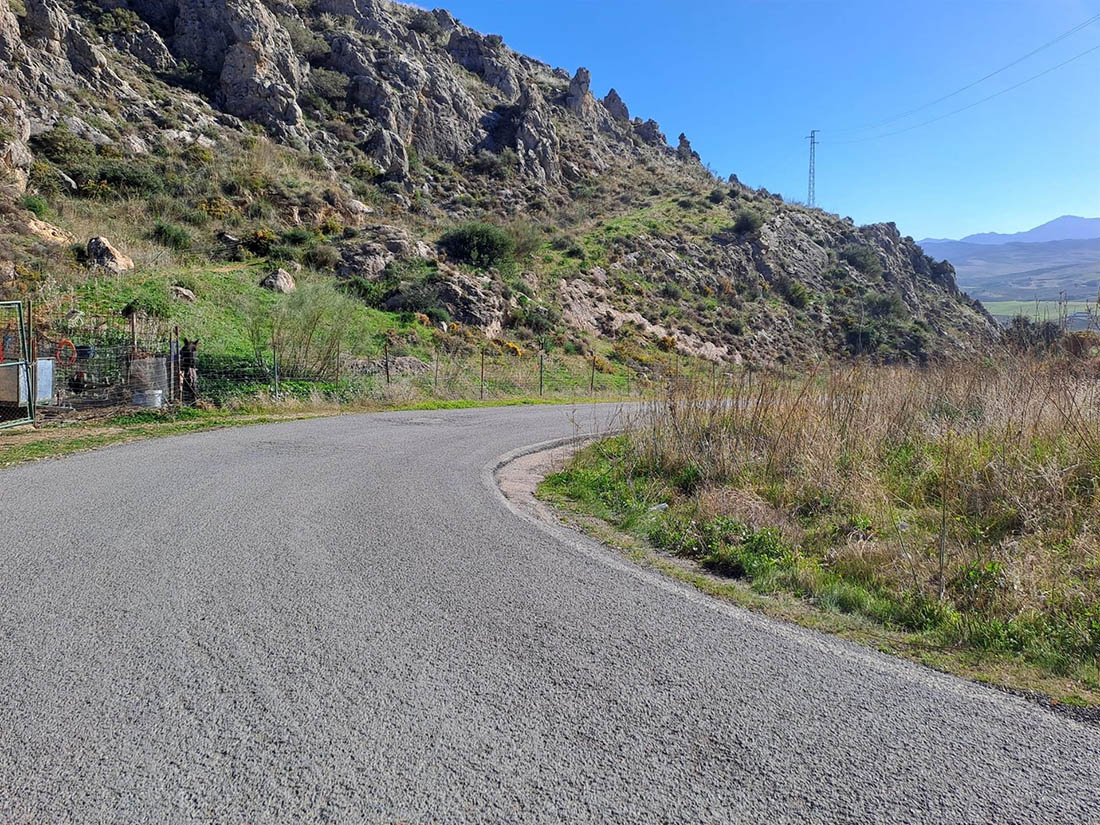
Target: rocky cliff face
[446,124]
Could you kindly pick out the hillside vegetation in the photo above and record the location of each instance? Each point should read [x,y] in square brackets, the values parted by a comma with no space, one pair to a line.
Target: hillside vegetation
[438,183]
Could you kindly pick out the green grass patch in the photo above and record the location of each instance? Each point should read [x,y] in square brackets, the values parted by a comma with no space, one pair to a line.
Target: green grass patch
[659,506]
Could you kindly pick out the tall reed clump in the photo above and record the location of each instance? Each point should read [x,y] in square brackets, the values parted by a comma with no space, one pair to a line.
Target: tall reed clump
[961,499]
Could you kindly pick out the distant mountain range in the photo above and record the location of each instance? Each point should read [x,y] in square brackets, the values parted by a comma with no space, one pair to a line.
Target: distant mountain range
[1065,228]
[1060,259]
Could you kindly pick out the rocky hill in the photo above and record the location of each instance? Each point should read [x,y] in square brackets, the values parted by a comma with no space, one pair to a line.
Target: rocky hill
[423,167]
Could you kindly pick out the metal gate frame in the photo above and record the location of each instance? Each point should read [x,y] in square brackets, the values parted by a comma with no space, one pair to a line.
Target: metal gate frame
[25,366]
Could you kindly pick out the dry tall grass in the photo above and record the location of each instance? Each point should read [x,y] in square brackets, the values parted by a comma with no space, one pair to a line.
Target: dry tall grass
[974,484]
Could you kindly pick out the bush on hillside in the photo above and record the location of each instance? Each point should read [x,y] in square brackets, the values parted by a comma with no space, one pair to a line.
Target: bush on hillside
[526,237]
[795,293]
[479,244]
[172,236]
[330,85]
[500,167]
[36,204]
[323,256]
[59,145]
[862,259]
[748,221]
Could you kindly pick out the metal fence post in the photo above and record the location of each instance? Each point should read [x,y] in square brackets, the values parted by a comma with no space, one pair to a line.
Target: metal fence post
[592,378]
[542,370]
[435,378]
[275,365]
[483,374]
[177,374]
[32,389]
[386,358]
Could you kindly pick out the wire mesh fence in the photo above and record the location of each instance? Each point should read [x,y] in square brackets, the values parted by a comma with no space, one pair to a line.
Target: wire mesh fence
[100,366]
[105,363]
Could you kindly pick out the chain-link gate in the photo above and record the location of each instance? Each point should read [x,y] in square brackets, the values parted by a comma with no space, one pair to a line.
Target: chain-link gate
[16,367]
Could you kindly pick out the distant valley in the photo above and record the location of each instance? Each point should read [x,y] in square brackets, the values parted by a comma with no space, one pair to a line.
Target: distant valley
[1030,272]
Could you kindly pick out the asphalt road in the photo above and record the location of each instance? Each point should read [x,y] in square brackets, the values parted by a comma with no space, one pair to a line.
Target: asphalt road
[341,621]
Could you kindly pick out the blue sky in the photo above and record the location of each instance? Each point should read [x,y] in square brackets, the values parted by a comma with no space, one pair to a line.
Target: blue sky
[747,80]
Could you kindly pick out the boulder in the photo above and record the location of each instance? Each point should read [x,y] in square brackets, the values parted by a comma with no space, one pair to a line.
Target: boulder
[469,303]
[390,153]
[103,254]
[182,293]
[279,281]
[358,208]
[48,233]
[146,45]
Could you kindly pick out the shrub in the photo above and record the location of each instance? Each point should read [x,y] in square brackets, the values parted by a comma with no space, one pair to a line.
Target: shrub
[131,177]
[216,207]
[299,236]
[526,239]
[438,315]
[260,241]
[575,250]
[372,293]
[500,166]
[323,256]
[305,42]
[539,318]
[479,244]
[195,217]
[364,170]
[44,178]
[330,85]
[310,327]
[748,220]
[152,301]
[36,204]
[198,155]
[280,253]
[331,226]
[862,259]
[716,196]
[795,293]
[118,21]
[172,236]
[887,306]
[61,146]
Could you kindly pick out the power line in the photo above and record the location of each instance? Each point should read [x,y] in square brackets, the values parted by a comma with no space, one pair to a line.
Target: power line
[962,89]
[975,103]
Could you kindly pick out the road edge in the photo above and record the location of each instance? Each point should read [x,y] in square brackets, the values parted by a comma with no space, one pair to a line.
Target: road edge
[523,503]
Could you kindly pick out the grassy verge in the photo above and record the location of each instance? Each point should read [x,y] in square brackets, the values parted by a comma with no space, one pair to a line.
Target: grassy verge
[945,515]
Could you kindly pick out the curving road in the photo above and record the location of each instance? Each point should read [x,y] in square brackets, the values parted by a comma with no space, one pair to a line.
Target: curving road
[341,621]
